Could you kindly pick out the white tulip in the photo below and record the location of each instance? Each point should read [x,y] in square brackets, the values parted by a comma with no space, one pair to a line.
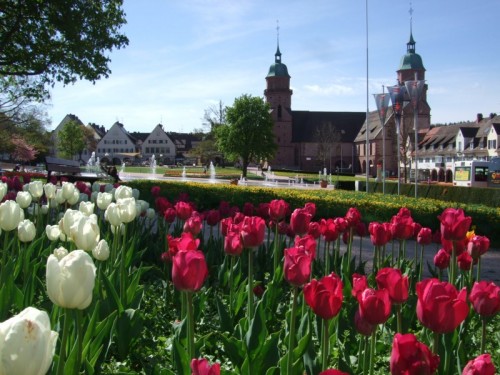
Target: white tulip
[122,192]
[83,197]
[93,196]
[24,198]
[118,229]
[127,209]
[96,186]
[27,344]
[144,205]
[75,198]
[71,280]
[112,214]
[104,200]
[45,209]
[59,197]
[3,190]
[11,214]
[68,190]
[101,251]
[135,193]
[150,213]
[85,233]
[26,231]
[70,217]
[53,232]
[50,190]
[108,188]
[60,252]
[87,208]
[36,188]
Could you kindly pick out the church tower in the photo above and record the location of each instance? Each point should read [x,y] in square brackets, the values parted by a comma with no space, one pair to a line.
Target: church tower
[279,96]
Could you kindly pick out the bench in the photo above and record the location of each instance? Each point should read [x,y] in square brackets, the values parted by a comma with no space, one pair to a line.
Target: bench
[70,169]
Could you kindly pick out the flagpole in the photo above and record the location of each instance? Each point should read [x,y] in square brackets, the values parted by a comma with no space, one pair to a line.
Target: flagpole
[367,149]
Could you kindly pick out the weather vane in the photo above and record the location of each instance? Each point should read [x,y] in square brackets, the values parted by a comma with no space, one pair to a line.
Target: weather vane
[411,16]
[278,31]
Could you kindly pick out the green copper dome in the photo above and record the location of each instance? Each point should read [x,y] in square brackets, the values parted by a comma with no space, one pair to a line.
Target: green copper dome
[412,60]
[278,69]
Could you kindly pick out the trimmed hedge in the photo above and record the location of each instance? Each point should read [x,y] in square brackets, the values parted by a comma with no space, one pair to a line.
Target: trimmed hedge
[330,203]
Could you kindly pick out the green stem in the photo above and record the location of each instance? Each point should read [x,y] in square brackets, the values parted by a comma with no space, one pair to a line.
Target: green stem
[324,348]
[231,290]
[276,249]
[483,336]
[291,333]
[4,256]
[123,278]
[366,352]
[62,350]
[79,328]
[190,322]
[420,271]
[360,250]
[327,258]
[478,277]
[372,350]
[416,256]
[399,318]
[453,264]
[349,251]
[250,307]
[435,345]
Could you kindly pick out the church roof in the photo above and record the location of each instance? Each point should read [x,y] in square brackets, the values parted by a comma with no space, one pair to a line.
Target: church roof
[278,69]
[306,124]
[412,60]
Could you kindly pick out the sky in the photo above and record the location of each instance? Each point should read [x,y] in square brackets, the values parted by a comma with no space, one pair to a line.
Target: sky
[185,56]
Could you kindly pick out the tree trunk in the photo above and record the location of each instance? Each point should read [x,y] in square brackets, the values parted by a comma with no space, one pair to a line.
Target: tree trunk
[244,168]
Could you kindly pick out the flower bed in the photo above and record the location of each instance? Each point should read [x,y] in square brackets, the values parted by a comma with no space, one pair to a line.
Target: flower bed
[181,284]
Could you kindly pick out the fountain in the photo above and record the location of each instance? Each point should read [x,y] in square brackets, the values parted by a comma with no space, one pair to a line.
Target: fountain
[212,172]
[152,165]
[92,164]
[183,173]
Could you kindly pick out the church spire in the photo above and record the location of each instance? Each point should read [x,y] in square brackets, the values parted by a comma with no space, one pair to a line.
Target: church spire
[277,55]
[410,46]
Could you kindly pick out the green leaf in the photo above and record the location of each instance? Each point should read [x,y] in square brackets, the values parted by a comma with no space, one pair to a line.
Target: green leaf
[226,323]
[234,349]
[128,329]
[112,292]
[257,332]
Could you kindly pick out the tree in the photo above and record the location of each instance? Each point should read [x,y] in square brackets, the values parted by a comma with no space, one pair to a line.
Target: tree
[215,115]
[248,133]
[22,151]
[43,42]
[71,140]
[328,138]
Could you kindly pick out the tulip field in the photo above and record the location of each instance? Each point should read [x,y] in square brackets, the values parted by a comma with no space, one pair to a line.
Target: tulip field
[96,280]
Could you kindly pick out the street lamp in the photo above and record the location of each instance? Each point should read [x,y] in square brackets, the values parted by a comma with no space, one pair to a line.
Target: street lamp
[414,89]
[382,101]
[397,94]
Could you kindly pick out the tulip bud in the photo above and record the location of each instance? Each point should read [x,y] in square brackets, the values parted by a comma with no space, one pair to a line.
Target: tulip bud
[127,209]
[24,199]
[85,233]
[75,198]
[27,344]
[101,251]
[50,190]
[26,231]
[68,190]
[123,191]
[59,197]
[87,208]
[11,214]
[71,280]
[44,209]
[60,252]
[135,193]
[96,186]
[150,213]
[36,189]
[3,190]
[104,200]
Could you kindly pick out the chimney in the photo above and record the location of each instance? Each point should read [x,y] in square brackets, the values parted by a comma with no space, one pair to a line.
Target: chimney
[479,117]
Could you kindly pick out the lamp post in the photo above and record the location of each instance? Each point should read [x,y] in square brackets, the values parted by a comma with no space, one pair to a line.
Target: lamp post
[382,101]
[414,89]
[396,94]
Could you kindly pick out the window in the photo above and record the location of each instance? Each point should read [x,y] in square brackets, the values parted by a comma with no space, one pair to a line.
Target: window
[459,148]
[492,144]
[160,141]
[147,150]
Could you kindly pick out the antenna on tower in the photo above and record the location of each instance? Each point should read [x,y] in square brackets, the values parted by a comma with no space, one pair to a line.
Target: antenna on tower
[278,32]
[411,17]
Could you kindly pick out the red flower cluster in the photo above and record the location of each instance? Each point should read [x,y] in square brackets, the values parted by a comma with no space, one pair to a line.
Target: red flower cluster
[325,296]
[297,266]
[411,357]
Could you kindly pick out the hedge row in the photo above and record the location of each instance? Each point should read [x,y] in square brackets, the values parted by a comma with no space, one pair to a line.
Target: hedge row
[330,203]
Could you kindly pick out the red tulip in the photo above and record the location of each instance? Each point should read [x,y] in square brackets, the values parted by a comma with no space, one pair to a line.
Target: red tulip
[395,283]
[325,296]
[311,208]
[224,209]
[464,261]
[314,229]
[238,217]
[161,204]
[424,236]
[183,210]
[359,283]
[300,221]
[379,235]
[485,298]
[258,290]
[480,365]
[185,242]
[283,228]
[362,326]
[477,246]
[232,244]
[374,305]
[253,229]
[402,225]
[202,367]
[308,243]
[189,270]
[341,224]
[454,224]
[262,211]
[411,357]
[193,224]
[440,307]
[416,229]
[333,372]
[212,217]
[361,229]
[169,215]
[155,191]
[329,230]
[353,217]
[248,209]
[460,246]
[278,209]
[225,224]
[297,267]
[442,259]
